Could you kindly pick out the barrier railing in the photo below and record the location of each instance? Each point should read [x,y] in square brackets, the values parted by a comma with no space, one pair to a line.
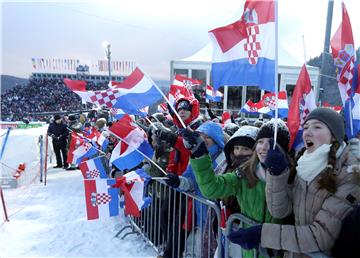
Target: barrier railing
[236,250]
[165,223]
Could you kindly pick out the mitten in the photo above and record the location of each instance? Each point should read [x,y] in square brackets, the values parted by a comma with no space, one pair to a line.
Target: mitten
[247,238]
[193,142]
[172,180]
[275,160]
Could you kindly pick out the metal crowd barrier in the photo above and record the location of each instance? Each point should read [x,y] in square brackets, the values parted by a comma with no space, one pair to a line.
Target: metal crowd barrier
[162,223]
[232,225]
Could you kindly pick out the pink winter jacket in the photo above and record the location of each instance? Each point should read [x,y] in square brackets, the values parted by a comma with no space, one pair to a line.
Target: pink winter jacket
[318,213]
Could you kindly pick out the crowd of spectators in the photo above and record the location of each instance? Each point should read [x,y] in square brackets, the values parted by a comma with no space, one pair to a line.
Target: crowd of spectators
[41,95]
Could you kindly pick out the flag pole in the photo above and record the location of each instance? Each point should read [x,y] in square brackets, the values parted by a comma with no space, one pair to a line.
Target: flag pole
[171,106]
[276,80]
[146,157]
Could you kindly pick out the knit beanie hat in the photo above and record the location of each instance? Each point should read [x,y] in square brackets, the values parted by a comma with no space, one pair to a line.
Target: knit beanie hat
[244,136]
[333,120]
[267,131]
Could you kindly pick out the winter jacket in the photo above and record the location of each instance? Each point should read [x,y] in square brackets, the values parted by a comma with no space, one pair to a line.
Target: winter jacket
[318,213]
[60,133]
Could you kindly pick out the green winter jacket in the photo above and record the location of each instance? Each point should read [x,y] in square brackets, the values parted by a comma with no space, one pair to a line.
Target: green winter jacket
[251,200]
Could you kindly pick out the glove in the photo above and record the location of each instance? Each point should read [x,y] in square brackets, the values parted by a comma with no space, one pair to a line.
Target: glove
[193,142]
[247,238]
[172,180]
[165,134]
[207,105]
[275,160]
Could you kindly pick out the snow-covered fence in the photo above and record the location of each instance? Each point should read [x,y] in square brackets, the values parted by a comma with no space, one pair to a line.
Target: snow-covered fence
[169,223]
[23,157]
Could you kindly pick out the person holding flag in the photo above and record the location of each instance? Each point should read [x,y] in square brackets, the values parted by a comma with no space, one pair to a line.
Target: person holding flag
[247,181]
[319,190]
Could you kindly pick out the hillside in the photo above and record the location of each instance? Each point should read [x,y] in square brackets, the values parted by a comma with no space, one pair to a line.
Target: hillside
[8,82]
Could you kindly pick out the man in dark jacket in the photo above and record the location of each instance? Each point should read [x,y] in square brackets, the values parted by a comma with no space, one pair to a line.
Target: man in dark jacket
[58,132]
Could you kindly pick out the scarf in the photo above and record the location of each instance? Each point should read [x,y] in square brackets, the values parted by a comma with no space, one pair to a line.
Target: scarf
[312,164]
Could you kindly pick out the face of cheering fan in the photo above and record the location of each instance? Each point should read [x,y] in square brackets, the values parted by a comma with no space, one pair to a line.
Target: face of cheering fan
[262,147]
[240,150]
[315,134]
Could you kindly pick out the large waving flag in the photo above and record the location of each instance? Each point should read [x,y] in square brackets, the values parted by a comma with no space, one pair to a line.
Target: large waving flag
[244,51]
[78,87]
[343,51]
[267,105]
[136,92]
[101,199]
[126,154]
[94,168]
[132,185]
[215,96]
[302,103]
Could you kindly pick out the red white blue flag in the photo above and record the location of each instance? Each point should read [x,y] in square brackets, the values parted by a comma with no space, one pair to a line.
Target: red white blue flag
[127,153]
[343,52]
[244,51]
[215,96]
[86,150]
[94,168]
[101,199]
[267,105]
[132,185]
[302,103]
[136,92]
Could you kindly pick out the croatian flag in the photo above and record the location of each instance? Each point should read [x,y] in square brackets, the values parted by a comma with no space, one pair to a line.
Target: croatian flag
[86,150]
[136,92]
[75,142]
[302,103]
[215,96]
[182,87]
[117,113]
[267,105]
[244,51]
[126,154]
[132,185]
[78,87]
[343,51]
[352,105]
[101,199]
[94,168]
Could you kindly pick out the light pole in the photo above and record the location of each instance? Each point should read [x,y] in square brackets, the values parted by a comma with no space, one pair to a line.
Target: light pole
[107,47]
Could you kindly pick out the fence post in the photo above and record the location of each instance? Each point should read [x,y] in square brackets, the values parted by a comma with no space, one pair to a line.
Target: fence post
[46,156]
[41,158]
[4,142]
[3,204]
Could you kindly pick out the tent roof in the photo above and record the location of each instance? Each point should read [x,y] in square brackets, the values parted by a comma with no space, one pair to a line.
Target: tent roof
[205,55]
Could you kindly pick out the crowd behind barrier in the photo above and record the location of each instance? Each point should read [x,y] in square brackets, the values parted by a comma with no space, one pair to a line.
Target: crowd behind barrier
[171,223]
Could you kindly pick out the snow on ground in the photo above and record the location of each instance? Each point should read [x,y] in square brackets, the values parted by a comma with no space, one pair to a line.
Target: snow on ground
[50,221]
